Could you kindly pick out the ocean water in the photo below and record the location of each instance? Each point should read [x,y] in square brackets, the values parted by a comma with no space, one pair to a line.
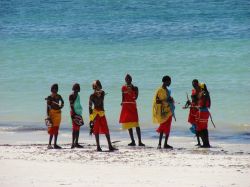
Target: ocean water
[46,42]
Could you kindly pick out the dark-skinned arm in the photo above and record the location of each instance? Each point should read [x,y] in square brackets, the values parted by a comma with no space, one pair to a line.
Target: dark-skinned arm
[90,112]
[48,106]
[90,105]
[135,88]
[72,99]
[62,105]
[103,94]
[194,99]
[158,101]
[170,99]
[122,96]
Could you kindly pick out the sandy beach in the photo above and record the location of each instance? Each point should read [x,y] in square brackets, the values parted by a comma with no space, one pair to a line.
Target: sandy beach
[185,165]
[43,43]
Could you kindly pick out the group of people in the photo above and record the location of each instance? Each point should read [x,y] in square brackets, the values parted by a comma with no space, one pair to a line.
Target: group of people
[162,112]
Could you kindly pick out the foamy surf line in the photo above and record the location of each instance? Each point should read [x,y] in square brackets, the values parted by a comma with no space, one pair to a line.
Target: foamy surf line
[15,133]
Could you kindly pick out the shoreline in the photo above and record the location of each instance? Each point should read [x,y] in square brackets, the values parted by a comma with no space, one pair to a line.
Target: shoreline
[26,134]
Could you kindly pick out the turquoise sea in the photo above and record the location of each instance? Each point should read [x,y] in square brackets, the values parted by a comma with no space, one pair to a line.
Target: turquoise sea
[60,41]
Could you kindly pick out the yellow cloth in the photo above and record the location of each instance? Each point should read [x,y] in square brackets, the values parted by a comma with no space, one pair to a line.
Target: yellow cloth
[55,116]
[202,85]
[129,125]
[95,113]
[161,112]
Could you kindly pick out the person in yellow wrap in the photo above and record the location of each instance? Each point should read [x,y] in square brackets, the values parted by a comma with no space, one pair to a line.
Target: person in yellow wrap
[54,114]
[162,113]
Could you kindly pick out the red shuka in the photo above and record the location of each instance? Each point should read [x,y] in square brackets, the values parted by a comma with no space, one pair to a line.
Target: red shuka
[100,125]
[129,110]
[203,114]
[75,127]
[165,126]
[193,111]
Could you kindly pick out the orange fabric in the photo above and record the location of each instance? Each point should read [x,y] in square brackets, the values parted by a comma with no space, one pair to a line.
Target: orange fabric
[55,116]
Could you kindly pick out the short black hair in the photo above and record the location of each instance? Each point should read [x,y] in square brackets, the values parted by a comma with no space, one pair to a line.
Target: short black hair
[166,78]
[76,86]
[128,77]
[97,83]
[54,86]
[195,81]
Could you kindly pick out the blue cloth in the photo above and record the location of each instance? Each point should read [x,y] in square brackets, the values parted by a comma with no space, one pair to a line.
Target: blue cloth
[172,106]
[193,129]
[78,106]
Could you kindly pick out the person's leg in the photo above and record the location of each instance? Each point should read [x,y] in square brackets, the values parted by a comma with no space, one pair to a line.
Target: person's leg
[77,137]
[131,137]
[202,135]
[50,132]
[206,143]
[198,138]
[207,135]
[138,131]
[55,139]
[160,139]
[97,142]
[50,140]
[111,148]
[166,146]
[73,134]
[73,139]
[203,129]
[55,142]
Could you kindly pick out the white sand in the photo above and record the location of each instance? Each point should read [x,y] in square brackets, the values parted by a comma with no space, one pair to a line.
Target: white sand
[34,165]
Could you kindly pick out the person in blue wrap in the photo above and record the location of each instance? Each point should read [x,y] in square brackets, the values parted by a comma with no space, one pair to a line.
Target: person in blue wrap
[76,115]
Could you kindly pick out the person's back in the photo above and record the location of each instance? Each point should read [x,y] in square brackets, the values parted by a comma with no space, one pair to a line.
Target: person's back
[203,115]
